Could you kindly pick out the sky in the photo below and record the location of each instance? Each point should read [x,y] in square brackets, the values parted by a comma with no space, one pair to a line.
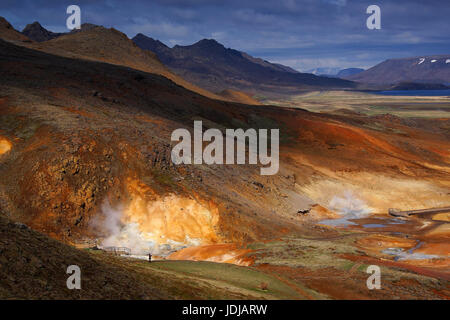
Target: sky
[302,34]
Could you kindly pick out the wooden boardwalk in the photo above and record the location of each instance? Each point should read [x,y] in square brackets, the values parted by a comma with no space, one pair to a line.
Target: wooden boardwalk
[396,213]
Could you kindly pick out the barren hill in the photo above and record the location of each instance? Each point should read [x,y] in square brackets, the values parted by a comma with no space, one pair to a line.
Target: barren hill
[34,267]
[7,32]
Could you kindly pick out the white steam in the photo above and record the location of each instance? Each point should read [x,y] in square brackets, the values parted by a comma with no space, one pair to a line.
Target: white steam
[350,206]
[117,233]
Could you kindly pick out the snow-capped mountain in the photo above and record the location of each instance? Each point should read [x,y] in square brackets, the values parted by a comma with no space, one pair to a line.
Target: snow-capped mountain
[425,69]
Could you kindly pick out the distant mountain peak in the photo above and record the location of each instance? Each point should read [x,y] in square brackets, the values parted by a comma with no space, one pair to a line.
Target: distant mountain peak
[34,24]
[34,27]
[148,40]
[35,31]
[143,36]
[148,43]
[208,43]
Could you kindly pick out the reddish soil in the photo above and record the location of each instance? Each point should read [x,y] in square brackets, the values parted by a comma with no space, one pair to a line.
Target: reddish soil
[225,253]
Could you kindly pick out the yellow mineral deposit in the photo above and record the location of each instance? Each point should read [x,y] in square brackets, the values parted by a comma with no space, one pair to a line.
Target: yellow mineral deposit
[173,218]
[5,145]
[166,218]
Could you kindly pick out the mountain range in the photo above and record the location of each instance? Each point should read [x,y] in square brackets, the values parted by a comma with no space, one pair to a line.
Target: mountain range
[97,43]
[210,65]
[209,68]
[206,64]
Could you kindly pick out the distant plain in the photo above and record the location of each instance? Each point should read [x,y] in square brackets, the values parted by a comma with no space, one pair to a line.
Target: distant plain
[369,104]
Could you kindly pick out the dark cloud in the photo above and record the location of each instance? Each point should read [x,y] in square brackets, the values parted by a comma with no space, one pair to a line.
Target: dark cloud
[300,33]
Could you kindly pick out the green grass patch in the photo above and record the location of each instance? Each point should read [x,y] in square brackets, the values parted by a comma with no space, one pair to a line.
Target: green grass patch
[242,277]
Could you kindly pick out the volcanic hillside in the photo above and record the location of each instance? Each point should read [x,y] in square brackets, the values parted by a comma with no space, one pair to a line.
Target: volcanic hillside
[92,132]
[86,139]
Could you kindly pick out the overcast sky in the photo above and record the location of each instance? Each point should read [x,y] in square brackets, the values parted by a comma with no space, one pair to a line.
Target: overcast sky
[302,34]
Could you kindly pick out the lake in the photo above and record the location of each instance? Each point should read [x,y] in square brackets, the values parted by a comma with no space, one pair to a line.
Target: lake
[428,93]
